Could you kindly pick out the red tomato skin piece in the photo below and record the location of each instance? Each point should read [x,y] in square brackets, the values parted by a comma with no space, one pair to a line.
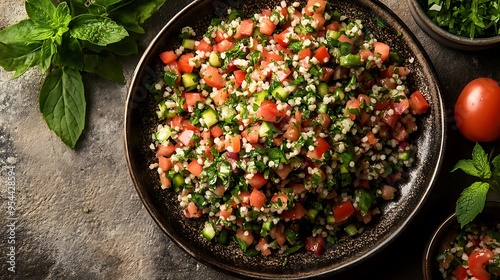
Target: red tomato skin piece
[184,63]
[478,260]
[418,104]
[343,210]
[257,181]
[257,198]
[168,57]
[316,245]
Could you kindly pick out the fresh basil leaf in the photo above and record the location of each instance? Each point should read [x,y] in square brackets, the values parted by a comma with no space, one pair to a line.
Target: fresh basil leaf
[48,50]
[70,53]
[97,30]
[20,57]
[127,46]
[106,66]
[133,15]
[471,202]
[62,104]
[41,12]
[106,3]
[481,162]
[24,31]
[61,20]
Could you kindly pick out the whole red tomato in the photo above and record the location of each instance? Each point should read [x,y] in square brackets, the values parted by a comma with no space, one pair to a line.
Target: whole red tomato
[477,111]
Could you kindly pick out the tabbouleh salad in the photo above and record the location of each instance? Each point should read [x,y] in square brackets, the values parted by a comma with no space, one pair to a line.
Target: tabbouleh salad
[284,129]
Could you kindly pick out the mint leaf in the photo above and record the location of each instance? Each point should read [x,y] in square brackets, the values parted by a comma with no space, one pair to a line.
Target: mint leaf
[62,104]
[496,163]
[97,30]
[41,12]
[481,162]
[106,66]
[24,31]
[471,202]
[134,14]
[20,57]
[467,166]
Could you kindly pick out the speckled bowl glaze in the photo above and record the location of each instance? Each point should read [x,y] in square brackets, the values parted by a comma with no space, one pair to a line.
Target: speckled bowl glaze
[141,121]
[417,9]
[446,232]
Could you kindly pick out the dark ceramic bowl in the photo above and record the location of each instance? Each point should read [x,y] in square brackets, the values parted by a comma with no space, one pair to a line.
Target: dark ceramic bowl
[446,232]
[417,9]
[141,121]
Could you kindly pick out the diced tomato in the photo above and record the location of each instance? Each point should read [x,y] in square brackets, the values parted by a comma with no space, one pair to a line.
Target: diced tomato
[226,213]
[391,70]
[418,104]
[381,49]
[321,146]
[177,122]
[195,168]
[216,131]
[239,77]
[244,29]
[220,97]
[213,78]
[187,125]
[203,46]
[234,142]
[293,131]
[304,53]
[315,6]
[257,75]
[174,66]
[165,150]
[283,74]
[316,245]
[192,211]
[244,197]
[401,105]
[343,210]
[192,98]
[400,134]
[220,35]
[278,233]
[344,39]
[251,134]
[283,172]
[272,56]
[460,273]
[165,182]
[389,119]
[353,104]
[322,55]
[371,139]
[327,74]
[266,12]
[283,38]
[185,137]
[184,63]
[266,26]
[334,26]
[223,46]
[168,57]
[257,181]
[280,198]
[320,19]
[298,188]
[164,163]
[262,246]
[365,54]
[478,260]
[298,211]
[257,198]
[245,236]
[268,111]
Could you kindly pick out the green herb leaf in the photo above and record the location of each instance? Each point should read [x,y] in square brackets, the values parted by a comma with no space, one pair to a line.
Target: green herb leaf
[48,50]
[106,66]
[134,14]
[41,12]
[62,104]
[480,159]
[97,30]
[24,31]
[496,163]
[20,57]
[471,202]
[127,46]
[70,53]
[467,166]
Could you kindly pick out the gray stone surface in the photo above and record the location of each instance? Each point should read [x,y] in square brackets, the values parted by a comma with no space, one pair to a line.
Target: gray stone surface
[79,217]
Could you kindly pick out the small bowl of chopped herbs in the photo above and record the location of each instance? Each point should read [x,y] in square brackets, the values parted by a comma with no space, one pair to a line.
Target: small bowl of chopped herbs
[465,25]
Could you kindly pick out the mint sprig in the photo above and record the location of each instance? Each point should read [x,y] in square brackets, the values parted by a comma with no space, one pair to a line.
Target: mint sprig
[66,39]
[472,199]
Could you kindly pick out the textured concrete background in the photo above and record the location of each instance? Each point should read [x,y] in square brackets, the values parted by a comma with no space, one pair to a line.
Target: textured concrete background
[79,217]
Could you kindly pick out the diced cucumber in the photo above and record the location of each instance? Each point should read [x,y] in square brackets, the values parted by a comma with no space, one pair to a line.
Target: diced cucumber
[333,34]
[188,43]
[266,227]
[261,96]
[350,60]
[266,129]
[190,80]
[163,134]
[209,117]
[208,231]
[338,93]
[170,77]
[227,112]
[214,60]
[322,108]
[312,214]
[330,219]
[351,230]
[323,89]
[404,155]
[223,237]
[178,180]
[162,108]
[280,93]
